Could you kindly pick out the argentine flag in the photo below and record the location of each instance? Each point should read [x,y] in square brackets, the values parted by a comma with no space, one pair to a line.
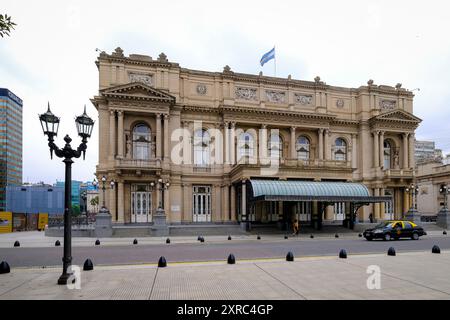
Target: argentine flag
[268,56]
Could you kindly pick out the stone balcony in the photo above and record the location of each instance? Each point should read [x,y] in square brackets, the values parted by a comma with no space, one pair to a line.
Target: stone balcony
[137,164]
[399,173]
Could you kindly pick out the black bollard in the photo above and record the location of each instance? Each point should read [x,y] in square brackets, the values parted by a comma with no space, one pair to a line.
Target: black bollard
[4,267]
[57,243]
[167,240]
[258,237]
[97,242]
[436,249]
[343,254]
[290,256]
[162,263]
[17,244]
[285,236]
[231,259]
[229,237]
[311,236]
[391,251]
[444,232]
[360,235]
[336,235]
[135,241]
[199,238]
[202,239]
[88,265]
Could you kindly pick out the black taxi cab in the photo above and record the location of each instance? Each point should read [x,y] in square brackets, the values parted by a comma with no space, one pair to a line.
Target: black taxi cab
[388,230]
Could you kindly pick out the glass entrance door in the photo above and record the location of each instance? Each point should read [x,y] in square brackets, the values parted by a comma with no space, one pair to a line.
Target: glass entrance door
[201,200]
[141,204]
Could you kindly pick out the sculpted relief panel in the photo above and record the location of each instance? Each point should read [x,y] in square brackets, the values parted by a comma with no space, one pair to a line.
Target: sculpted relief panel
[302,99]
[139,77]
[276,96]
[388,104]
[246,93]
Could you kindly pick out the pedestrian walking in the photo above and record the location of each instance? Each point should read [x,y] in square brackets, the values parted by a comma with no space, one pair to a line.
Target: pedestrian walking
[371,218]
[295,227]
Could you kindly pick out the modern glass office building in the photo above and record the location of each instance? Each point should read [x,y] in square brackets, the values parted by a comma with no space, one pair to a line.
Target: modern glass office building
[10,142]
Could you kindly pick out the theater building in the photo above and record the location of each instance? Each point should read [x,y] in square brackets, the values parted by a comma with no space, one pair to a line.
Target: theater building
[231,147]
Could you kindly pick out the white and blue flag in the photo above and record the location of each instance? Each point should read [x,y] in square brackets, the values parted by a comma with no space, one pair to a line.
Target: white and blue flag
[268,56]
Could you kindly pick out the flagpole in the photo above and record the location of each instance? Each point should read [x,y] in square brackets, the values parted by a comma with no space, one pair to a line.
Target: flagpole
[275,60]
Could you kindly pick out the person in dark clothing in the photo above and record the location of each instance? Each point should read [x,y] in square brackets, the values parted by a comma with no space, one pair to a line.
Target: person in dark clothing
[371,218]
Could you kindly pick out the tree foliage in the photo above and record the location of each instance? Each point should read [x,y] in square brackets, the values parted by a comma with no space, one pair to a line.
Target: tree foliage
[6,25]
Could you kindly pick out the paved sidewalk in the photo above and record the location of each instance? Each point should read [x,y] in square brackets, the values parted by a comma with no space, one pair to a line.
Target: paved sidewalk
[36,239]
[418,275]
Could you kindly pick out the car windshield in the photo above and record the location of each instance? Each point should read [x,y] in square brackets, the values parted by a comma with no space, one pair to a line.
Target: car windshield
[382,224]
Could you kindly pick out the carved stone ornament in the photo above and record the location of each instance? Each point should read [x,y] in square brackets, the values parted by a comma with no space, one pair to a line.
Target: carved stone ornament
[201,89]
[227,68]
[388,104]
[246,93]
[276,96]
[118,52]
[162,57]
[138,77]
[303,99]
[339,103]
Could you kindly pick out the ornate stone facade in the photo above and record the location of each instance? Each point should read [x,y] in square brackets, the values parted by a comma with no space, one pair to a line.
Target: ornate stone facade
[225,119]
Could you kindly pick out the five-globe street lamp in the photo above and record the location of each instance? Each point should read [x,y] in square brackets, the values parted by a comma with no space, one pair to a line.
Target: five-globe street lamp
[112,183]
[50,125]
[414,190]
[162,185]
[445,190]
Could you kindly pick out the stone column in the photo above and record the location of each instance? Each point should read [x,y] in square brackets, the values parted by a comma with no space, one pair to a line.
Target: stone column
[112,134]
[382,206]
[293,151]
[158,195]
[120,202]
[167,205]
[405,201]
[225,202]
[112,202]
[226,148]
[158,136]
[320,133]
[187,199]
[244,201]
[411,159]
[376,207]
[120,134]
[381,153]
[405,150]
[166,137]
[232,143]
[376,150]
[233,202]
[354,152]
[329,213]
[327,146]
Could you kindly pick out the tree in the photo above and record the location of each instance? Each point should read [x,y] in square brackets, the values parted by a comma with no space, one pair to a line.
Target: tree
[76,210]
[6,25]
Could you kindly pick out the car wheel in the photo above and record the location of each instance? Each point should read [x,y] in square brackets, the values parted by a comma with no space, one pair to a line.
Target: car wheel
[387,237]
[415,236]
[369,238]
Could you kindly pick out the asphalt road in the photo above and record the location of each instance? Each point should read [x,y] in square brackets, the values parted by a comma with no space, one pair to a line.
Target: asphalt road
[242,249]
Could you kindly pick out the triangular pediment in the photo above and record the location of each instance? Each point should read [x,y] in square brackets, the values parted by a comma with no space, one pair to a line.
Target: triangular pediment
[397,115]
[139,91]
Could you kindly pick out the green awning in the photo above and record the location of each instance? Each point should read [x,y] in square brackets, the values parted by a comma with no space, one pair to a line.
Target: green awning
[291,190]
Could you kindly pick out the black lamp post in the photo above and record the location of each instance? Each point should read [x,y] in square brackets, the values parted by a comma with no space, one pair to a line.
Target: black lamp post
[445,191]
[50,125]
[112,183]
[162,185]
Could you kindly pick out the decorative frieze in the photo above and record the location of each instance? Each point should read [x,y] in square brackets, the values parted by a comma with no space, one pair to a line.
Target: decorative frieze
[246,93]
[139,77]
[388,104]
[340,103]
[276,96]
[303,99]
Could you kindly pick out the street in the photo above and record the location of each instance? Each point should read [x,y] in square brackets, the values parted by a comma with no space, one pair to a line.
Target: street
[213,250]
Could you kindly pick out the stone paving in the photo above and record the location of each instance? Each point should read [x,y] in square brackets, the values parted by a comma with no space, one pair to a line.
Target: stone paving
[412,275]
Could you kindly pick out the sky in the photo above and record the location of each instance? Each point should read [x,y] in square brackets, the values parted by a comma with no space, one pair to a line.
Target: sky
[50,56]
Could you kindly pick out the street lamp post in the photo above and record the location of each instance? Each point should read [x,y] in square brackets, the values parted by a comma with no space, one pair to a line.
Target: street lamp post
[84,198]
[413,214]
[162,186]
[50,125]
[443,216]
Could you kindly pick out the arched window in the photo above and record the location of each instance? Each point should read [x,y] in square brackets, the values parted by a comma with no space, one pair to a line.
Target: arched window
[387,154]
[202,141]
[340,150]
[275,146]
[141,142]
[246,145]
[302,147]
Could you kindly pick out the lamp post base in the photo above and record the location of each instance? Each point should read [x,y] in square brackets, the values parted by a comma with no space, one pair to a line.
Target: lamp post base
[413,215]
[64,279]
[443,218]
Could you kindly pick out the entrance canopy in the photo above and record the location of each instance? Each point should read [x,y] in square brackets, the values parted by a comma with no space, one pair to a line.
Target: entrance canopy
[281,190]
